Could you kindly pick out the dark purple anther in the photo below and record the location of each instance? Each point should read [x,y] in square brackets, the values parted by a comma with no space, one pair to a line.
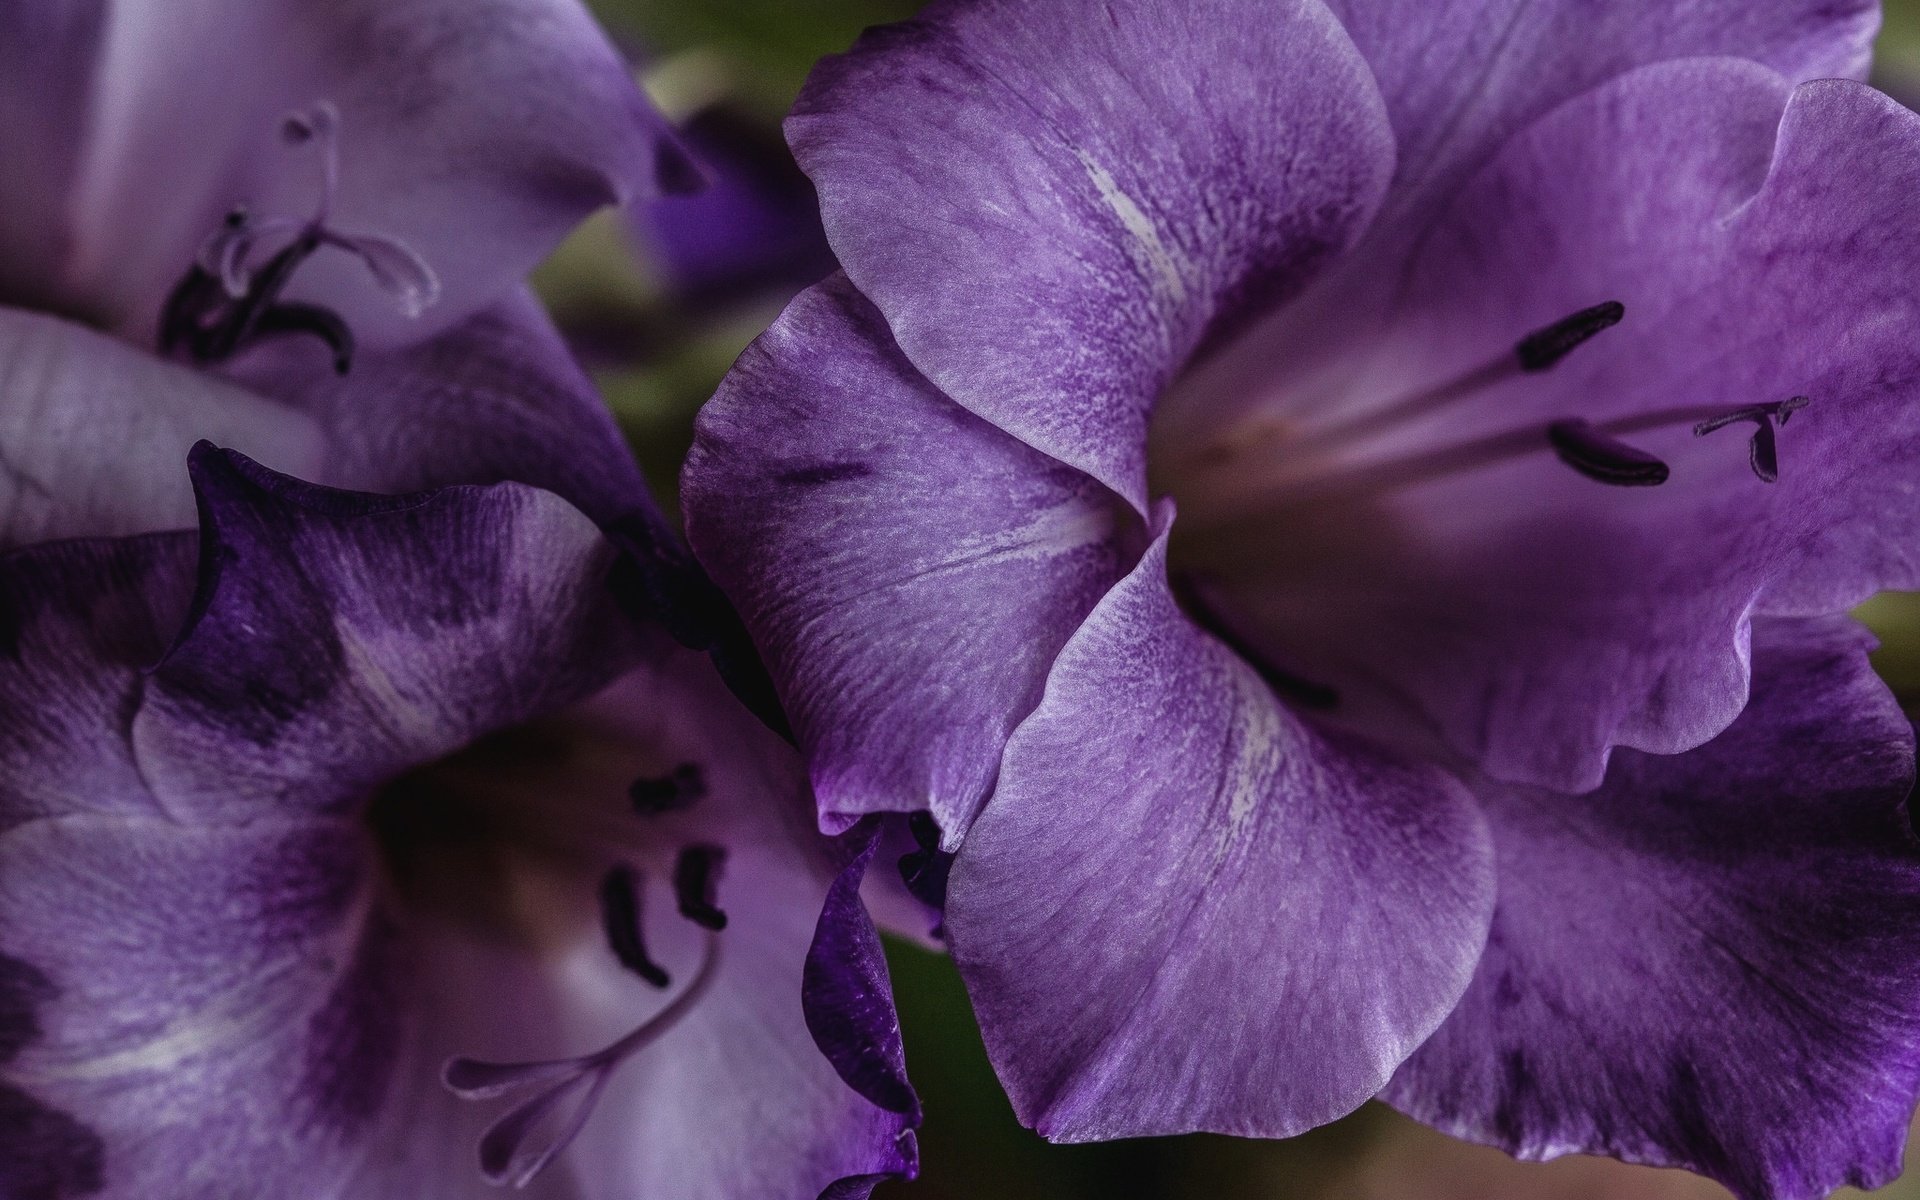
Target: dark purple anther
[1546,346]
[620,918]
[676,791]
[696,879]
[1602,457]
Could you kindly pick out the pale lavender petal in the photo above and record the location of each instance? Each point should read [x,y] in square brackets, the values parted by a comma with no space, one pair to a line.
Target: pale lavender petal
[94,434]
[742,1061]
[48,52]
[908,570]
[1469,74]
[1535,617]
[1187,910]
[339,638]
[1463,75]
[1055,205]
[1713,961]
[476,132]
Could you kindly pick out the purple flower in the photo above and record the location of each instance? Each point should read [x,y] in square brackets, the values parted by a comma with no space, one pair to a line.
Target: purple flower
[277,192]
[414,844]
[1338,514]
[358,836]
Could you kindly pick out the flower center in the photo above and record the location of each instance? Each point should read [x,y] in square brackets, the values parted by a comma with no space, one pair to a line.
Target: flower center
[1313,489]
[561,798]
[230,297]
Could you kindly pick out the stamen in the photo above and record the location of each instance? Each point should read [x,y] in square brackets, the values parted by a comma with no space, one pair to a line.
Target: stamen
[1546,346]
[696,878]
[213,323]
[1539,351]
[620,920]
[1763,451]
[512,1152]
[676,791]
[1602,457]
[322,323]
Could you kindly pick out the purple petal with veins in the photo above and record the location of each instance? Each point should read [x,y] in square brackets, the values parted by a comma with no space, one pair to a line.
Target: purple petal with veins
[1378,341]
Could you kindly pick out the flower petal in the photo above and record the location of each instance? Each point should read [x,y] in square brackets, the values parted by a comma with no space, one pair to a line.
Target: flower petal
[1535,617]
[339,638]
[477,132]
[908,570]
[1527,57]
[742,1061]
[1051,248]
[1712,961]
[80,622]
[847,994]
[498,398]
[47,53]
[225,978]
[94,434]
[1184,909]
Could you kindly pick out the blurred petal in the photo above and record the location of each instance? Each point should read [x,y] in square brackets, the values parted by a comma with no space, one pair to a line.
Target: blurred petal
[476,132]
[1713,961]
[48,50]
[1186,910]
[94,434]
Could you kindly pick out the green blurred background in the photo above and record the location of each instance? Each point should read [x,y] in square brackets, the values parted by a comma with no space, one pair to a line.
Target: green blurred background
[658,348]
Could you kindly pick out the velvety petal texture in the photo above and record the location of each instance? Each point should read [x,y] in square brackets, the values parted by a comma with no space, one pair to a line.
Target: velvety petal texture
[1185,909]
[225,977]
[322,656]
[908,570]
[1528,57]
[1537,635]
[475,133]
[1051,224]
[847,995]
[1711,961]
[80,624]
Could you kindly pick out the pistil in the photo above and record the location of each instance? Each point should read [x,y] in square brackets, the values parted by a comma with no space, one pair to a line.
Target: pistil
[224,305]
[521,1144]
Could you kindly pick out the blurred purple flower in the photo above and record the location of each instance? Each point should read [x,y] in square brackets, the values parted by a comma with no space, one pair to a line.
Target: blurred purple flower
[409,797]
[1338,514]
[754,231]
[279,191]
